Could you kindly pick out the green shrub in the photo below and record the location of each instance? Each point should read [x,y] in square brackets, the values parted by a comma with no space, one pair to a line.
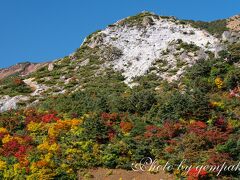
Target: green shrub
[232,78]
[13,86]
[214,27]
[141,101]
[186,105]
[137,19]
[189,47]
[234,50]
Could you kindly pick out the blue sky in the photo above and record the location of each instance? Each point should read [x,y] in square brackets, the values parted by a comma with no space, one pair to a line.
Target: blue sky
[43,30]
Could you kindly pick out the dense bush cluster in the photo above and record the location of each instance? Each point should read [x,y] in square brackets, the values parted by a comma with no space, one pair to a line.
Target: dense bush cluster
[214,27]
[45,145]
[13,86]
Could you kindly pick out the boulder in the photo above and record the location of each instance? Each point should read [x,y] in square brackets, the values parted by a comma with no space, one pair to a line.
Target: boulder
[147,21]
[50,67]
[9,103]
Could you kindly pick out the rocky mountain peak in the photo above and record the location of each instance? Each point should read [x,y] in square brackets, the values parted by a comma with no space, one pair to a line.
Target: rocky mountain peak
[142,41]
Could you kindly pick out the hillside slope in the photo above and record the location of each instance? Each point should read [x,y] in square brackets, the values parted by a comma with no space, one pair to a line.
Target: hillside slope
[131,48]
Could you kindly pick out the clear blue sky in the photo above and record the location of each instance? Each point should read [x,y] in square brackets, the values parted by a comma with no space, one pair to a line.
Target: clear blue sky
[43,30]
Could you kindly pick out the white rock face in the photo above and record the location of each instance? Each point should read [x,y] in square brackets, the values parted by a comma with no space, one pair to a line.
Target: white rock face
[38,88]
[142,46]
[50,67]
[9,103]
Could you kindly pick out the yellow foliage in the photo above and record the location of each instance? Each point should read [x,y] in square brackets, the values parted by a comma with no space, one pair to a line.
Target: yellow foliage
[42,174]
[17,167]
[48,157]
[3,130]
[51,132]
[6,139]
[3,165]
[219,82]
[72,151]
[57,127]
[217,104]
[192,121]
[33,167]
[48,147]
[33,126]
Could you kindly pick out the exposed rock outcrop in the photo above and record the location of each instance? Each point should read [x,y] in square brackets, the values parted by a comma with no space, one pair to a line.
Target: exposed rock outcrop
[141,46]
[50,67]
[231,36]
[37,88]
[9,103]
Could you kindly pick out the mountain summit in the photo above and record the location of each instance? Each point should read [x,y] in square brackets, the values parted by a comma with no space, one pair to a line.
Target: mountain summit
[123,53]
[146,41]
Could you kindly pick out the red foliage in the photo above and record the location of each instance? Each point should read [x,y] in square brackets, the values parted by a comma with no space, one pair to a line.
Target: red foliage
[32,116]
[111,134]
[108,116]
[169,149]
[194,174]
[27,139]
[215,136]
[221,123]
[10,148]
[197,127]
[14,148]
[49,118]
[170,130]
[218,159]
[110,123]
[126,126]
[167,131]
[151,131]
[172,142]
[2,134]
[21,152]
